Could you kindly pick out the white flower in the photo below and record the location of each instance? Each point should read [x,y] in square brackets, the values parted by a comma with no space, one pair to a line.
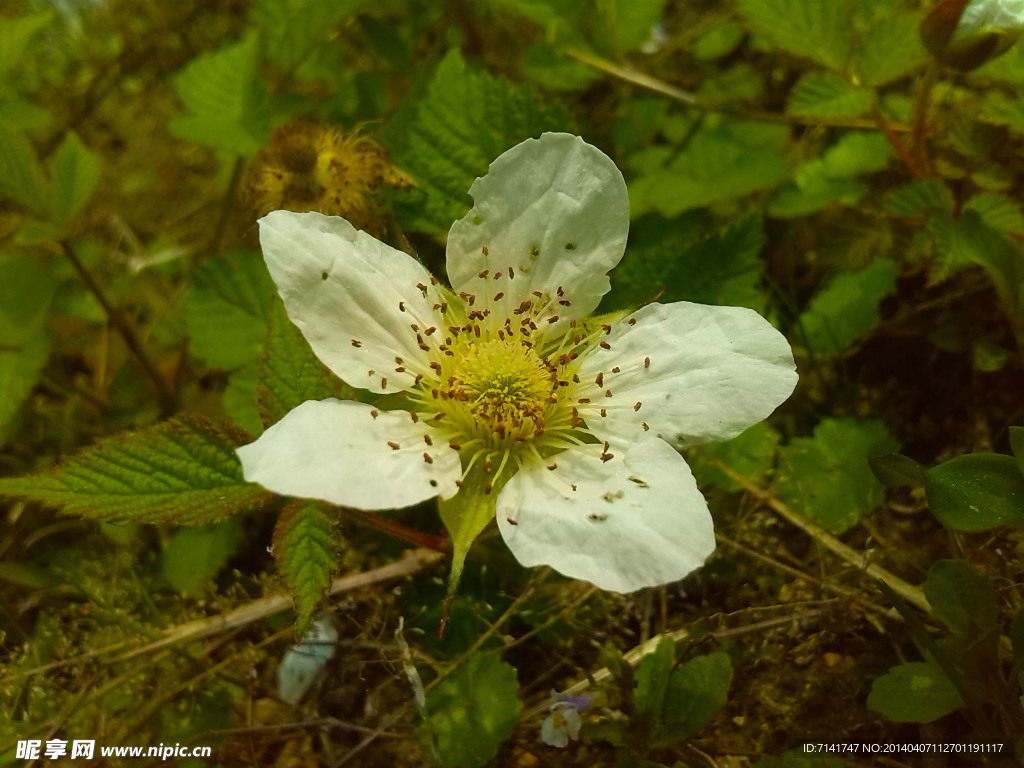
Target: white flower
[567,428]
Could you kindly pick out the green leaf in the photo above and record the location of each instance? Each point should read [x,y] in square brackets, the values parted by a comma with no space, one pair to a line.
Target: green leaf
[629,22]
[751,454]
[720,40]
[466,120]
[828,179]
[1000,109]
[825,94]
[239,399]
[289,372]
[226,309]
[895,470]
[917,692]
[652,676]
[76,172]
[21,177]
[304,542]
[915,199]
[696,691]
[724,160]
[297,35]
[827,478]
[471,712]
[976,492]
[724,268]
[890,49]
[1017,446]
[962,598]
[811,28]
[17,33]
[998,212]
[194,556]
[847,306]
[182,471]
[26,293]
[225,100]
[551,69]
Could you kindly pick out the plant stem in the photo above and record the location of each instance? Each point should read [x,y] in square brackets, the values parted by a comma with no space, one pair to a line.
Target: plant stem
[118,319]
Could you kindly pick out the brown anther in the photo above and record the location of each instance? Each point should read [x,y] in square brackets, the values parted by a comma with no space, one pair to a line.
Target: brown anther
[575,378]
[356,343]
[422,287]
[497,275]
[607,393]
[458,483]
[637,406]
[429,330]
[599,379]
[604,344]
[454,446]
[553,319]
[426,458]
[394,446]
[414,327]
[552,465]
[559,291]
[374,414]
[511,274]
[584,400]
[435,393]
[606,328]
[647,362]
[501,335]
[511,521]
[433,280]
[498,295]
[400,369]
[632,321]
[435,365]
[644,425]
[487,487]
[401,306]
[604,411]
[483,250]
[414,416]
[439,415]
[476,332]
[383,382]
[370,372]
[607,456]
[427,440]
[538,294]
[564,302]
[616,369]
[416,379]
[444,307]
[573,486]
[482,272]
[454,330]
[487,466]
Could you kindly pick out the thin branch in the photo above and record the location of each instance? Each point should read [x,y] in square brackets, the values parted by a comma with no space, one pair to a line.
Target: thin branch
[118,319]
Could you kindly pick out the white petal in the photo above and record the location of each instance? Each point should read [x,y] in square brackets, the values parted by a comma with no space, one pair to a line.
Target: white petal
[342,287]
[338,451]
[635,521]
[555,210]
[712,372]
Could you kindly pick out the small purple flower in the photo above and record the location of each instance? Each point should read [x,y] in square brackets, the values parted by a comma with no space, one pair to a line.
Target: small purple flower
[564,721]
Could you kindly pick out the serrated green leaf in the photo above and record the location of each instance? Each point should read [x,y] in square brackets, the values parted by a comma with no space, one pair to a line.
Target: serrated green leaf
[76,172]
[811,28]
[917,692]
[651,678]
[181,471]
[17,33]
[847,306]
[471,712]
[725,159]
[239,400]
[466,119]
[695,692]
[194,556]
[225,100]
[962,598]
[722,269]
[751,454]
[917,198]
[998,212]
[1001,109]
[825,94]
[890,49]
[827,478]
[226,309]
[299,37]
[976,492]
[289,372]
[21,177]
[304,549]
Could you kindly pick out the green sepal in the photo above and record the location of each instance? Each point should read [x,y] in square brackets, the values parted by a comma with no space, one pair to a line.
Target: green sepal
[465,515]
